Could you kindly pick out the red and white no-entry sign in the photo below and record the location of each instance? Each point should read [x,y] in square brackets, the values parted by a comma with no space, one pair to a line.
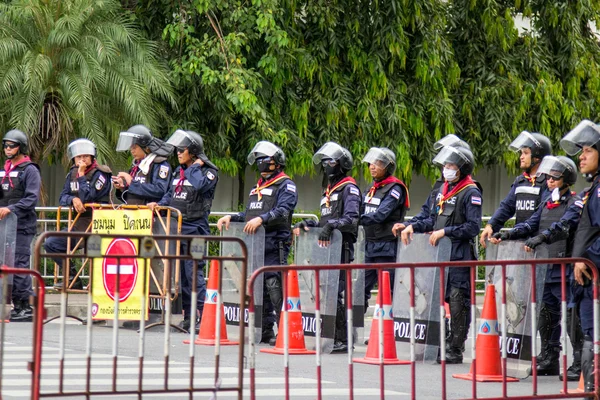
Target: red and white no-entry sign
[128,268]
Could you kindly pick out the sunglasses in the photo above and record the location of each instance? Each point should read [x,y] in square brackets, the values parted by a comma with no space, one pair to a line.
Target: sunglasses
[10,145]
[181,149]
[330,163]
[553,178]
[264,160]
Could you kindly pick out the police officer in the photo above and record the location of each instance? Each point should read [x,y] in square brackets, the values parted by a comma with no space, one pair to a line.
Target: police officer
[192,192]
[86,182]
[271,204]
[385,203]
[585,138]
[340,208]
[21,184]
[148,179]
[527,190]
[457,215]
[561,174]
[448,140]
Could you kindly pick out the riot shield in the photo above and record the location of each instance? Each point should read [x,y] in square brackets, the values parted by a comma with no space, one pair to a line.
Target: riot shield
[8,243]
[358,289]
[233,279]
[518,301]
[308,252]
[427,294]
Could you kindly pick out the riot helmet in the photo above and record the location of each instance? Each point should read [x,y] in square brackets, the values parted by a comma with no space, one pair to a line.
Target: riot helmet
[19,137]
[80,147]
[450,140]
[333,151]
[539,144]
[383,157]
[137,134]
[586,133]
[559,167]
[264,149]
[190,140]
[459,156]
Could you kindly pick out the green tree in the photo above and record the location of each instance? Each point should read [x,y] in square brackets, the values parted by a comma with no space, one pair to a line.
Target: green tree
[77,68]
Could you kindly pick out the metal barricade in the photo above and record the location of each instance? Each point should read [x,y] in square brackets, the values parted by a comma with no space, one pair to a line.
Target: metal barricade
[146,251]
[472,265]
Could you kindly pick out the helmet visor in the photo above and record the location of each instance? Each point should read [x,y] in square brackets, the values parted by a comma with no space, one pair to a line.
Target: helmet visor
[180,140]
[553,167]
[126,140]
[585,134]
[81,147]
[377,156]
[525,139]
[262,149]
[328,150]
[448,140]
[449,155]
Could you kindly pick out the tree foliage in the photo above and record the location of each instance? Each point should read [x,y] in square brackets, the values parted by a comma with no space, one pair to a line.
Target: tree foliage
[77,68]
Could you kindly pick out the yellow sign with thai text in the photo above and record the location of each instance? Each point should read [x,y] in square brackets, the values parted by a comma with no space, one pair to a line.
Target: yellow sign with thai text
[119,274]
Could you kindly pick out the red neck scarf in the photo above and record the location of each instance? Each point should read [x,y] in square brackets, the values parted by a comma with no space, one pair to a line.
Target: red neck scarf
[262,184]
[134,169]
[329,190]
[179,186]
[529,178]
[460,186]
[389,180]
[9,166]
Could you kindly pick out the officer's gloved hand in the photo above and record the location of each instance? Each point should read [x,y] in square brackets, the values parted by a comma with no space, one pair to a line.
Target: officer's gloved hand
[325,235]
[301,225]
[535,241]
[505,235]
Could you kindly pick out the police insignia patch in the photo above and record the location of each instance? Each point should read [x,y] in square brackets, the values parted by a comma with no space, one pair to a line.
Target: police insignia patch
[210,175]
[163,172]
[100,182]
[476,200]
[395,194]
[579,203]
[291,188]
[355,191]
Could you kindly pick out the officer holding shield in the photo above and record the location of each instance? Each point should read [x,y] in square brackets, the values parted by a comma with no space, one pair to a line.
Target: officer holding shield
[384,204]
[271,204]
[86,182]
[527,191]
[585,139]
[21,182]
[340,209]
[561,174]
[457,215]
[148,179]
[192,191]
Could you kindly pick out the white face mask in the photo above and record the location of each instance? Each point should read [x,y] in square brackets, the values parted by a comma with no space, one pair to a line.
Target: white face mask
[450,174]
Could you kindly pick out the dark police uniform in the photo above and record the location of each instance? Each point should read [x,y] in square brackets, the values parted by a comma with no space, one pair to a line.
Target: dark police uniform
[93,187]
[429,203]
[340,208]
[147,184]
[460,217]
[522,200]
[20,191]
[379,212]
[545,221]
[192,191]
[273,200]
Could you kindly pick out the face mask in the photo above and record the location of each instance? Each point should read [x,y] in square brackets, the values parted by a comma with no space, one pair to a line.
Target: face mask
[332,172]
[450,174]
[556,194]
[264,167]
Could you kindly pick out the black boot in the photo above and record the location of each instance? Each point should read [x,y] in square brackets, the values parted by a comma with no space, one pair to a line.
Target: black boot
[341,331]
[574,371]
[17,305]
[549,366]
[25,314]
[273,286]
[454,356]
[459,326]
[587,364]
[267,334]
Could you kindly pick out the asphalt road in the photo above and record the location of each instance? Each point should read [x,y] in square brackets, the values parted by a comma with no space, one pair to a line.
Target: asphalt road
[16,379]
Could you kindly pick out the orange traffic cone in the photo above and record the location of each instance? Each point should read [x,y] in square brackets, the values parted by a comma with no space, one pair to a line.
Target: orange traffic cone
[295,330]
[384,296]
[580,387]
[208,335]
[489,368]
